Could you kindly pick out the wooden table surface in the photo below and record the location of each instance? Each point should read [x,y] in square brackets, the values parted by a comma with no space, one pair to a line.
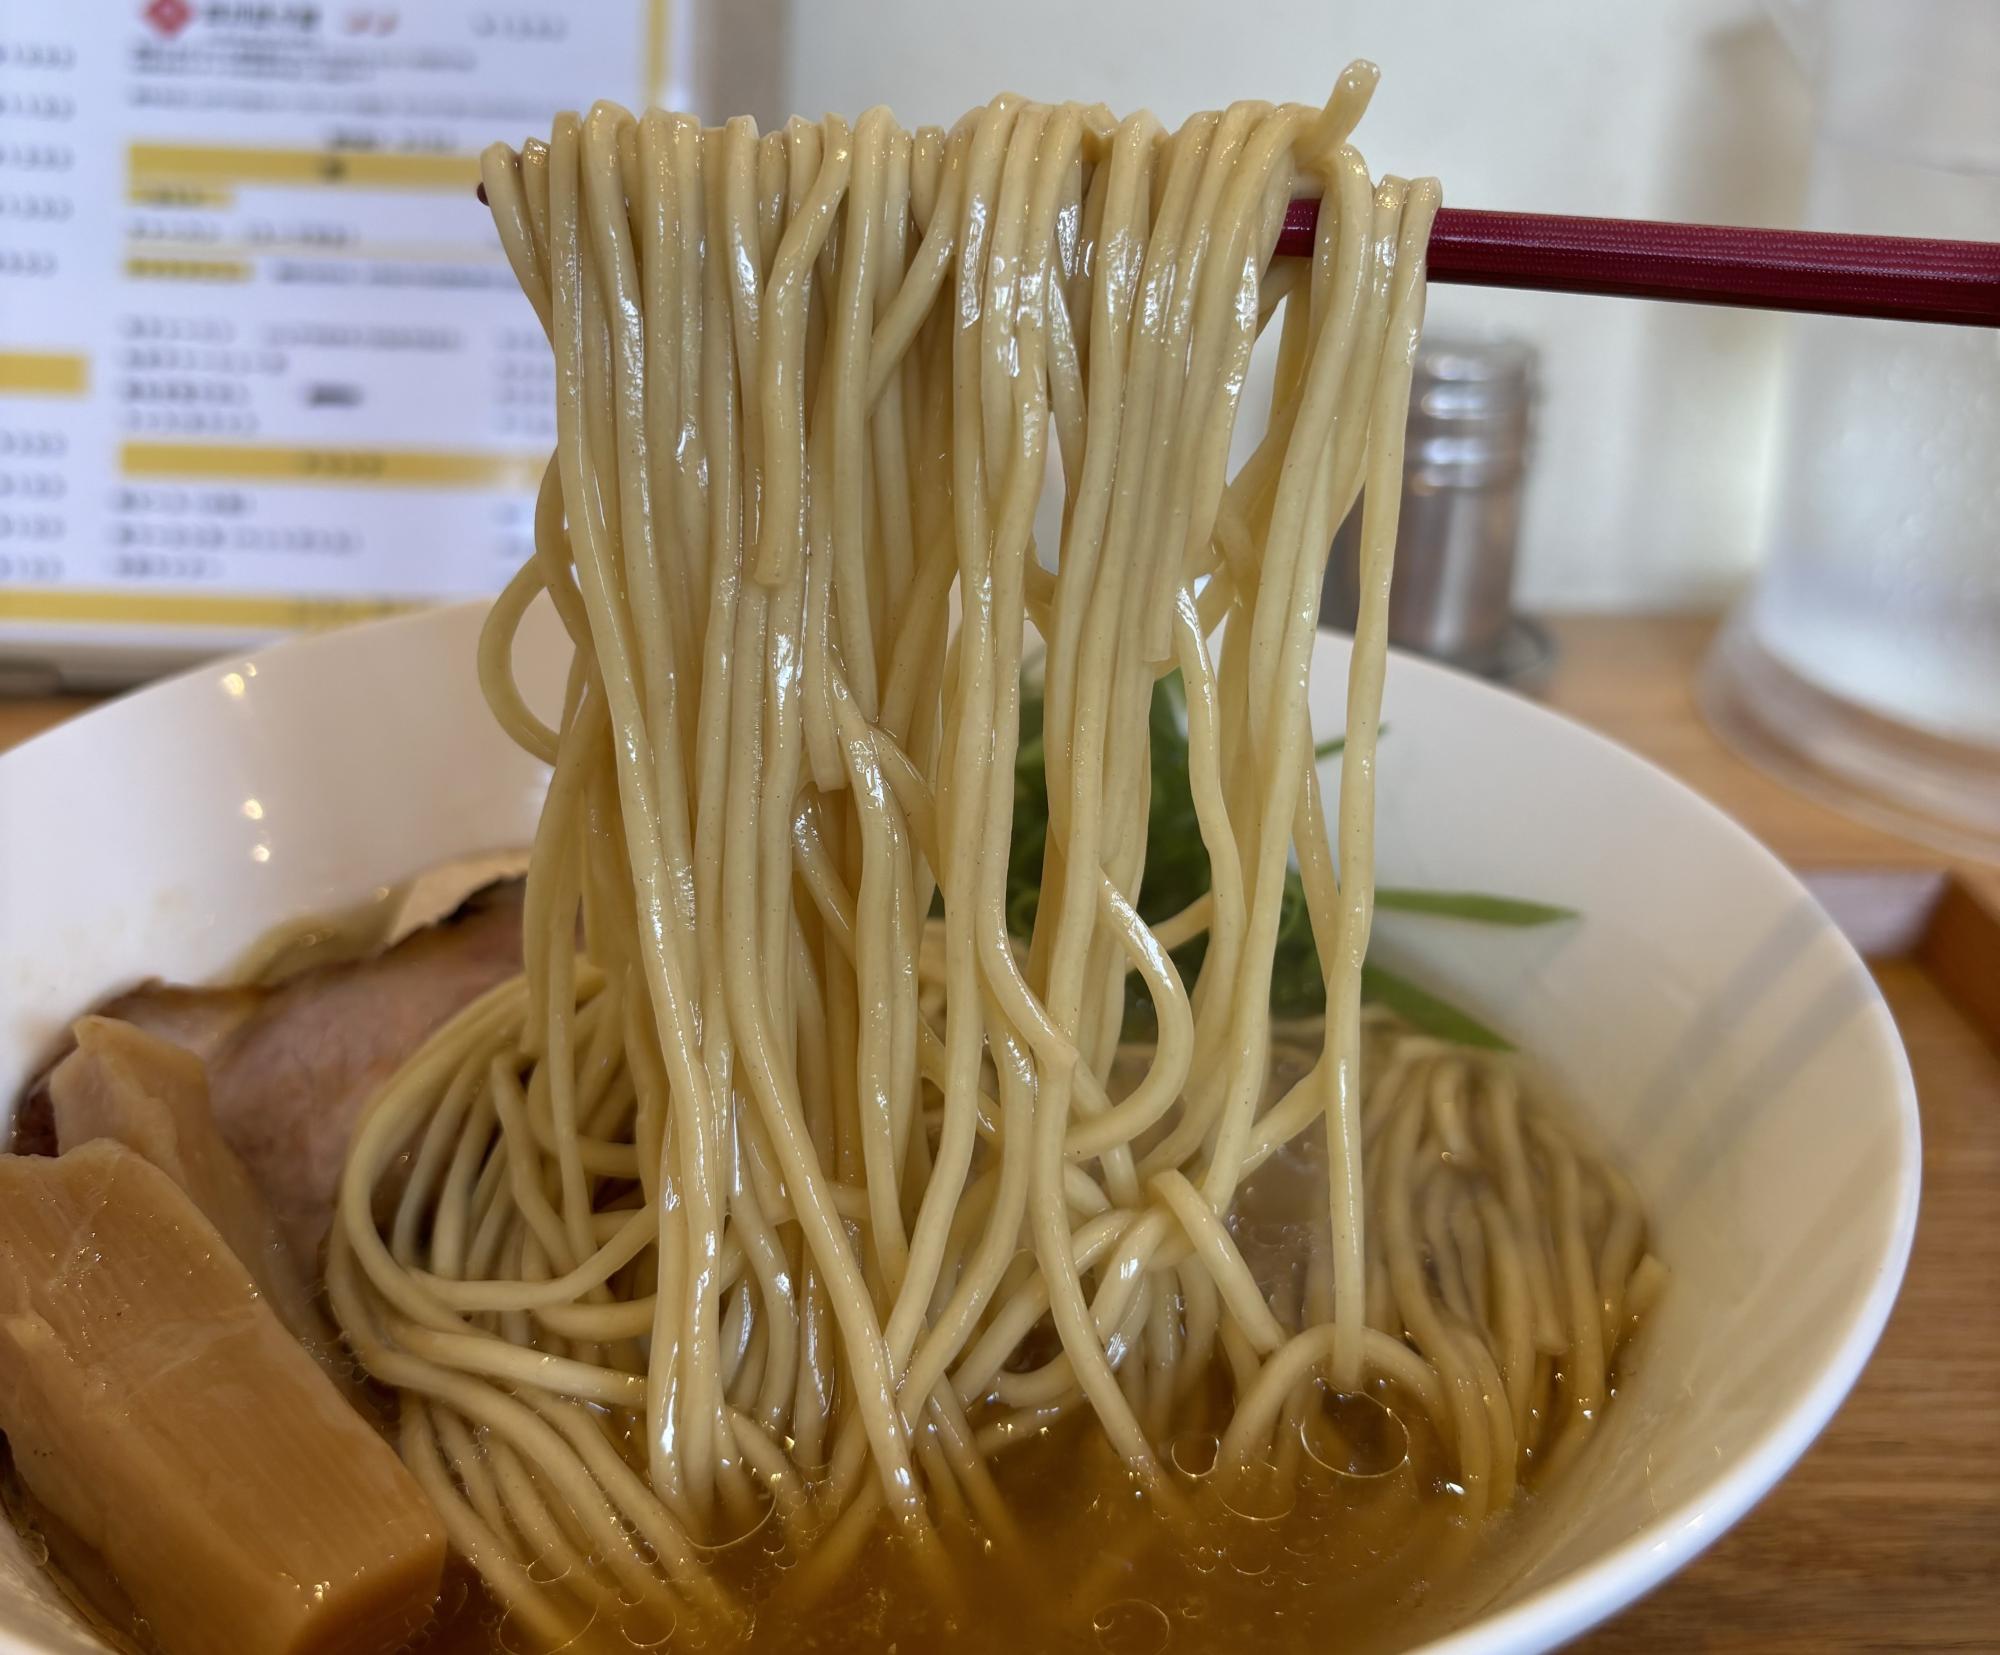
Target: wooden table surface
[1887,1535]
[21,719]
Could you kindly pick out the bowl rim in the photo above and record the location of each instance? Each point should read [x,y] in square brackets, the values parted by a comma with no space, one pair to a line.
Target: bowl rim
[1673,1538]
[1593,1592]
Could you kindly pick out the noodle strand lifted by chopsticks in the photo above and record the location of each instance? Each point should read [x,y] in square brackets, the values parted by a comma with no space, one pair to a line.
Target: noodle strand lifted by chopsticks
[798,1184]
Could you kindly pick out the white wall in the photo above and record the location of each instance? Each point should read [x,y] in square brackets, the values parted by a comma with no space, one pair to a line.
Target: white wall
[1649,481]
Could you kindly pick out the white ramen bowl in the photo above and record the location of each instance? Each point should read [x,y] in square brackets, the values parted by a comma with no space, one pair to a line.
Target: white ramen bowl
[1719,1036]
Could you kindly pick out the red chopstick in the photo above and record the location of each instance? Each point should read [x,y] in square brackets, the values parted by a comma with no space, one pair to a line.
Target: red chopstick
[1903,278]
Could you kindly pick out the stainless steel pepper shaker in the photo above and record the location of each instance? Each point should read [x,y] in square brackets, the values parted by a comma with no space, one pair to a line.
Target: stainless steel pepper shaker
[1464,466]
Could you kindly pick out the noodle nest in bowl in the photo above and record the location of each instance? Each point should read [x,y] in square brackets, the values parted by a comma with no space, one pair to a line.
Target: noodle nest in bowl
[786,1195]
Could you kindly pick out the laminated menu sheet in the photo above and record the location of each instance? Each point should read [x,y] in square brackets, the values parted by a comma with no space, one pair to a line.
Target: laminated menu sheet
[263,365]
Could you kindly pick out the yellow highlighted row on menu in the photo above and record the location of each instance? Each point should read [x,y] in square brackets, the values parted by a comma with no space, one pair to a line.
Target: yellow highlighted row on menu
[366,467]
[158,167]
[273,612]
[187,270]
[44,373]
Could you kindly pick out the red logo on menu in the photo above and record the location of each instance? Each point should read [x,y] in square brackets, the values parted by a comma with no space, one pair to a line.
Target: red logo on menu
[169,17]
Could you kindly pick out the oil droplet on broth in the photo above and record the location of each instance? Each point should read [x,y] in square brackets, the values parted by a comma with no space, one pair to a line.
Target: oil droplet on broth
[1355,1436]
[1257,1493]
[1249,1553]
[751,1528]
[642,1637]
[548,1568]
[1193,1453]
[1132,1626]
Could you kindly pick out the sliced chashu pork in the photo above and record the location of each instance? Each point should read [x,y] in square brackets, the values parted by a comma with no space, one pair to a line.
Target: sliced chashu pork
[290,1067]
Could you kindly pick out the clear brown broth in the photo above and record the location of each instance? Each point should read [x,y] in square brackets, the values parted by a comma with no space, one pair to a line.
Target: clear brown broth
[1310,1558]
